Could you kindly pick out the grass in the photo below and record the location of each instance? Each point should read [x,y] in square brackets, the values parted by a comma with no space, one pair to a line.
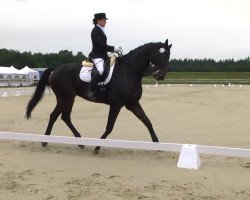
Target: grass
[203,78]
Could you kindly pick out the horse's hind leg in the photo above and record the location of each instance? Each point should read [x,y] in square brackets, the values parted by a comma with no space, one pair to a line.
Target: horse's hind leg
[53,117]
[66,111]
[139,113]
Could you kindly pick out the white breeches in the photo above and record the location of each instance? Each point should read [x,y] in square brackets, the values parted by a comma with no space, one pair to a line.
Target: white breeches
[99,63]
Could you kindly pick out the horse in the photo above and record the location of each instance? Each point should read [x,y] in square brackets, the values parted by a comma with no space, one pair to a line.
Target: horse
[124,88]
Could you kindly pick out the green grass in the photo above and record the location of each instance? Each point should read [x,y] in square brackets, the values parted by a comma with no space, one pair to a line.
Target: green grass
[203,78]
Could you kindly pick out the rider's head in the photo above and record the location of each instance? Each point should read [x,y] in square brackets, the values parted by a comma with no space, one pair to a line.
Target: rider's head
[100,19]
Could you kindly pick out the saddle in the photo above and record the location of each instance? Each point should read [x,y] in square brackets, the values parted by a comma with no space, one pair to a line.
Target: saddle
[88,63]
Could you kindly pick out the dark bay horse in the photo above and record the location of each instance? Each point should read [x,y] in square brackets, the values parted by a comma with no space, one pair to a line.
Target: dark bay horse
[124,88]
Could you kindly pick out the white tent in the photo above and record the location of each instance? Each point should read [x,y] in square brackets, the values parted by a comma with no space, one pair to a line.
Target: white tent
[18,74]
[4,74]
[14,70]
[33,74]
[12,76]
[6,70]
[11,71]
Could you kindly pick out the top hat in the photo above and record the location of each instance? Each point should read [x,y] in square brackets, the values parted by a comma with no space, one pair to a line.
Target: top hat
[100,16]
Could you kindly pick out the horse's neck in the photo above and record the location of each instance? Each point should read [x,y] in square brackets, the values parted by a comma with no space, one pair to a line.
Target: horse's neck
[139,60]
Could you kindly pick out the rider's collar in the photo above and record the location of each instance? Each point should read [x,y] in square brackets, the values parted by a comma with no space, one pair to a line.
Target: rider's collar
[102,28]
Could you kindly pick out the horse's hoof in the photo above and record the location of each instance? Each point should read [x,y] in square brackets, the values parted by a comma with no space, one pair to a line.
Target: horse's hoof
[96,152]
[81,146]
[44,144]
[97,148]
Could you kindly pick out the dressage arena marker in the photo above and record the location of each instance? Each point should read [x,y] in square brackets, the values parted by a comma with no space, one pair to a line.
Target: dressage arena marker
[189,153]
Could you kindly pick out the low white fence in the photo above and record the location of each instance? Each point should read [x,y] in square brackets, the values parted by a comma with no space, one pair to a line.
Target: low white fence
[189,153]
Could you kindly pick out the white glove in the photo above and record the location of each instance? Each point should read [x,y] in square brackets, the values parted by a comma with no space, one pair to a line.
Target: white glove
[118,49]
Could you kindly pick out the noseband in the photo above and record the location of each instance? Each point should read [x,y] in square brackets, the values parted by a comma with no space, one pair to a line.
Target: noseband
[156,69]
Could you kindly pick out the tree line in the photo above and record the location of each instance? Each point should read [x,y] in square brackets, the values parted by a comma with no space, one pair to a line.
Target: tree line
[35,60]
[21,59]
[210,65]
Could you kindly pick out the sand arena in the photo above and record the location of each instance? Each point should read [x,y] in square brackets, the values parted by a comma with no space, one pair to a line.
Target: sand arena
[201,114]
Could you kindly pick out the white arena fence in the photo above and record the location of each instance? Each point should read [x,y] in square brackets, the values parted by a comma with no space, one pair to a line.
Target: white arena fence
[189,153]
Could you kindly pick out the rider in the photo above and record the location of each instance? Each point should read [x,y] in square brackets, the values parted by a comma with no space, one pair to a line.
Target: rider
[99,51]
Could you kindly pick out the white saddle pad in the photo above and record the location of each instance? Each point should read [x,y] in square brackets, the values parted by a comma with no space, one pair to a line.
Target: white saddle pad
[85,74]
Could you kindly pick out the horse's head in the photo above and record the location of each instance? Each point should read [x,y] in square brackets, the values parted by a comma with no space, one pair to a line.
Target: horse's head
[159,60]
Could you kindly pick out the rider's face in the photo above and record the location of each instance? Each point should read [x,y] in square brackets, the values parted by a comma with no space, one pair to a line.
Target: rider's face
[101,22]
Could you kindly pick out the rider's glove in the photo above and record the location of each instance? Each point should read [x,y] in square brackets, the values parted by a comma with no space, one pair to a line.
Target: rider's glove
[118,49]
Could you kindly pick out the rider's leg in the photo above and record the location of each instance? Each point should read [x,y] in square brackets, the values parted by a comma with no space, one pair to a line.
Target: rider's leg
[99,63]
[94,80]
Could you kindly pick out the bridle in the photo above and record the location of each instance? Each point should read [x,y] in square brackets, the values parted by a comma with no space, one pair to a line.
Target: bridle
[154,67]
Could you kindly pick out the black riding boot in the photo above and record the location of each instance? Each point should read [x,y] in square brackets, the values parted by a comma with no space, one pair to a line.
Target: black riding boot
[92,85]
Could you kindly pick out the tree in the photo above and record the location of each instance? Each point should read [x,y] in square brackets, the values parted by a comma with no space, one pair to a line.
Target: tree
[20,60]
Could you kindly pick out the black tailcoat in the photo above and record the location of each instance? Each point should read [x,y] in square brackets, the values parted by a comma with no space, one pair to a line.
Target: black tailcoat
[99,44]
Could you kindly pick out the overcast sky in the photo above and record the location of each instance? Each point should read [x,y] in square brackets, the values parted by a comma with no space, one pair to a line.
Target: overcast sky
[217,29]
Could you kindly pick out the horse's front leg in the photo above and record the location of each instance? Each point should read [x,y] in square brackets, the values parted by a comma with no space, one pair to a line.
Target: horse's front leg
[113,113]
[140,114]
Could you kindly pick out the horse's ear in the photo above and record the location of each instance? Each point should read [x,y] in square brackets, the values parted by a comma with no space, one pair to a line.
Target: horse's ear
[166,43]
[169,47]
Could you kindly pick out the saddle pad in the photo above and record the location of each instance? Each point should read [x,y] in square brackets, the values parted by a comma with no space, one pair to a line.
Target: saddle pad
[85,74]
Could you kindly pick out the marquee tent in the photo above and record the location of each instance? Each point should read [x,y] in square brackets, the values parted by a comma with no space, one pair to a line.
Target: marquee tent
[12,71]
[33,75]
[12,76]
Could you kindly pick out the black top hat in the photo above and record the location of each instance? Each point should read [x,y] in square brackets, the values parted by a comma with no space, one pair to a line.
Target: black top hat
[100,16]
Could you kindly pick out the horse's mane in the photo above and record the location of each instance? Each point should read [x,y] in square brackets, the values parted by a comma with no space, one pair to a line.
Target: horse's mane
[139,49]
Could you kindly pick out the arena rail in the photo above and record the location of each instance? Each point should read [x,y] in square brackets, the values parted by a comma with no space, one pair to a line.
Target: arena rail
[189,153]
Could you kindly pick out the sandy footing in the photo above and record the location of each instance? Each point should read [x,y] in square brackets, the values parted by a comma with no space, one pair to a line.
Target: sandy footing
[202,114]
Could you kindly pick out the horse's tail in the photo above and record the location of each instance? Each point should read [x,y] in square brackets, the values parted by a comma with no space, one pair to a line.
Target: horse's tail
[38,94]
